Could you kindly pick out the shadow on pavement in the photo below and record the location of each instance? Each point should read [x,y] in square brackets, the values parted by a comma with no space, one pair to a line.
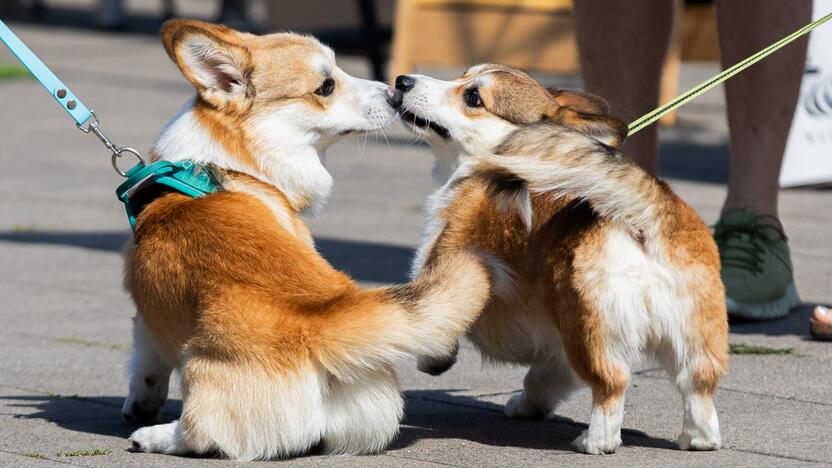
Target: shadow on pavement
[435,414]
[364,261]
[796,323]
[431,414]
[94,415]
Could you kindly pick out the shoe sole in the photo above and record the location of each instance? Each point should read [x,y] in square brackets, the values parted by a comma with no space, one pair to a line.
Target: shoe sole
[777,308]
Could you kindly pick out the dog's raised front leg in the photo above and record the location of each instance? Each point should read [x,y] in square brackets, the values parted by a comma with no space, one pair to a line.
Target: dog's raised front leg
[149,378]
[437,365]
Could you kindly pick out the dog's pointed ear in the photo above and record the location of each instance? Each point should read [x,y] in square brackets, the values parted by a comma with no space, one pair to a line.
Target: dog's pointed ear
[213,58]
[589,114]
[609,130]
[580,101]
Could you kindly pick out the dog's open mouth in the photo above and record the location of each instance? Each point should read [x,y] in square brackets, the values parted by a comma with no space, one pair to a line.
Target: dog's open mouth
[414,119]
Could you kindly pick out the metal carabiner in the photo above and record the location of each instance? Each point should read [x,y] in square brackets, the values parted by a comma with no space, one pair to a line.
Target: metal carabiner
[92,126]
[117,151]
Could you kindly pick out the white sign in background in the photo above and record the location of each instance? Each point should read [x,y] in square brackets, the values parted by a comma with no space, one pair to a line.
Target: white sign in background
[808,158]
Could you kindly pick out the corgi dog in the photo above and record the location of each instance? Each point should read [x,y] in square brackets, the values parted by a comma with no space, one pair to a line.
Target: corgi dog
[611,267]
[279,353]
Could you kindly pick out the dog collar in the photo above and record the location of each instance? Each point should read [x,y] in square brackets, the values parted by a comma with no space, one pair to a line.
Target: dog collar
[145,184]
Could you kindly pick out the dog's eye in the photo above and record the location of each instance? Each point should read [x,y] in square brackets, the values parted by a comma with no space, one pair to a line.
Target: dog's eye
[326,88]
[472,98]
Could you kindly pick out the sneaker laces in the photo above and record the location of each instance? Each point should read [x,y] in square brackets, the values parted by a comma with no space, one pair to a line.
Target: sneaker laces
[742,244]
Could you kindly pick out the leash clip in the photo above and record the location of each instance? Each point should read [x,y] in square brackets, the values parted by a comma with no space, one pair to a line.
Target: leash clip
[92,126]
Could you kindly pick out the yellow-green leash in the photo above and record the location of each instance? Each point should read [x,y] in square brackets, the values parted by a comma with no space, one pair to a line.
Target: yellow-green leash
[682,99]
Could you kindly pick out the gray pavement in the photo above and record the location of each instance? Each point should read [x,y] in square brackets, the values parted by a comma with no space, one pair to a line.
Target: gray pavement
[65,321]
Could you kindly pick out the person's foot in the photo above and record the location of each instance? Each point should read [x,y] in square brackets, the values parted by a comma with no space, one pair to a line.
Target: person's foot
[820,323]
[756,265]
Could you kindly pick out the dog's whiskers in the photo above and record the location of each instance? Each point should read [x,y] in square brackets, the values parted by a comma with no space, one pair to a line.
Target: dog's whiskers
[383,134]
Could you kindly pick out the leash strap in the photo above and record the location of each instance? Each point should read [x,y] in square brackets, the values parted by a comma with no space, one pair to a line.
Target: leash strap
[144,182]
[683,99]
[85,118]
[54,86]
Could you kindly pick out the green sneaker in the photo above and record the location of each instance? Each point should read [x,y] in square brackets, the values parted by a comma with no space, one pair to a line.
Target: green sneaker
[756,265]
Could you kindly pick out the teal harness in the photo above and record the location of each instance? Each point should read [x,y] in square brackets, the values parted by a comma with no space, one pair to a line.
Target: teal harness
[145,182]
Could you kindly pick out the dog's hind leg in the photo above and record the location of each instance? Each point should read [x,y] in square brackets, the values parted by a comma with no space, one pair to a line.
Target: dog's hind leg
[700,427]
[696,376]
[362,414]
[608,376]
[247,411]
[696,357]
[604,432]
[149,378]
[544,387]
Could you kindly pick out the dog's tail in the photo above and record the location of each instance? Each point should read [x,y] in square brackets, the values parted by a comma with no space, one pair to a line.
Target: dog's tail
[564,164]
[424,317]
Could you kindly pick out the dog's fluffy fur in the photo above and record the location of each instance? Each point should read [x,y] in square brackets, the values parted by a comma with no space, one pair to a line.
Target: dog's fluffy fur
[279,353]
[611,266]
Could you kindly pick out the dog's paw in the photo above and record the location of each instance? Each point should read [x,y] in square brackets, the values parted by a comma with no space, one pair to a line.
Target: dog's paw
[161,438]
[698,442]
[435,366]
[596,445]
[519,407]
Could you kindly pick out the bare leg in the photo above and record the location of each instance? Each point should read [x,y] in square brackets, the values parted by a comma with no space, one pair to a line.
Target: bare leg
[623,46]
[761,100]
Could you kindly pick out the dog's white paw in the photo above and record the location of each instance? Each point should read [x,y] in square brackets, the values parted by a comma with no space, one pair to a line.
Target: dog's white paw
[161,438]
[595,445]
[699,442]
[519,407]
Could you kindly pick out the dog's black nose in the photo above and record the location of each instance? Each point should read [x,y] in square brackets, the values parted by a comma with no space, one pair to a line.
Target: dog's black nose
[405,83]
[394,98]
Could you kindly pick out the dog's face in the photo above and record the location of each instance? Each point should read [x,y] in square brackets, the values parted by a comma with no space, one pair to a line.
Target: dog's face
[277,82]
[478,111]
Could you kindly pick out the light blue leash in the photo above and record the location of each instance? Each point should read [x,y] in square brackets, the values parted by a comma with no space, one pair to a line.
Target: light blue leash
[54,86]
[84,118]
[144,182]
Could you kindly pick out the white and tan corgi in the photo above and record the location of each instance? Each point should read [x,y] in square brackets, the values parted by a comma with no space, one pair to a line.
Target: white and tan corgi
[611,266]
[279,353]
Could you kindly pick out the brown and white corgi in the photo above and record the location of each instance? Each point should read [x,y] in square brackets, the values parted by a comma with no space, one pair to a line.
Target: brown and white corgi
[279,353]
[611,266]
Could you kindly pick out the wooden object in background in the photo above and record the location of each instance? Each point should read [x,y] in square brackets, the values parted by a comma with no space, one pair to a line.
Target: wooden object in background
[533,35]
